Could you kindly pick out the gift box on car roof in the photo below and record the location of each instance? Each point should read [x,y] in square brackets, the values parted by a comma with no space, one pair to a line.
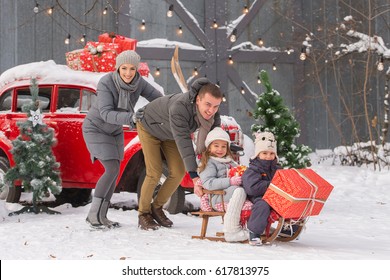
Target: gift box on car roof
[123,42]
[297,193]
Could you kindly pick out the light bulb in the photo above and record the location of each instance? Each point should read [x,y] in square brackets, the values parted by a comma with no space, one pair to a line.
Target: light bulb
[170,11]
[179,30]
[195,73]
[36,8]
[260,42]
[157,73]
[143,25]
[105,11]
[215,24]
[67,40]
[230,60]
[50,10]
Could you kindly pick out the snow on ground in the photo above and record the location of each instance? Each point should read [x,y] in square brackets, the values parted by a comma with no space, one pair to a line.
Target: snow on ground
[353,225]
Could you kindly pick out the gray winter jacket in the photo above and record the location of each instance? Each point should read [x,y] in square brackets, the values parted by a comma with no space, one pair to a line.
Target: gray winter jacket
[102,127]
[215,177]
[171,117]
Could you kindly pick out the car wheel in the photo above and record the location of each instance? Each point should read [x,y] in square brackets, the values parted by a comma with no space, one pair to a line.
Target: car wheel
[76,197]
[10,194]
[176,203]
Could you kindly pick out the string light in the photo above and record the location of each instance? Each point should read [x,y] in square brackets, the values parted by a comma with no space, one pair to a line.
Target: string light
[179,30]
[82,40]
[242,90]
[50,10]
[195,72]
[380,66]
[260,42]
[258,80]
[143,25]
[36,8]
[67,40]
[233,37]
[230,59]
[157,73]
[224,98]
[245,10]
[302,56]
[170,11]
[274,67]
[105,10]
[288,50]
[215,24]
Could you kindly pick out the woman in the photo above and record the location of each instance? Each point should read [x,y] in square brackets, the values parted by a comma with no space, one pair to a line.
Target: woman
[117,94]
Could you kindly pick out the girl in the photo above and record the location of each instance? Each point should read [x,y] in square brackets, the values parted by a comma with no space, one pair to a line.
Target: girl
[213,172]
[117,94]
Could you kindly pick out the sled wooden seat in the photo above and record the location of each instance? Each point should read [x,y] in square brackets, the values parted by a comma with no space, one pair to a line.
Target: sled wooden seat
[205,215]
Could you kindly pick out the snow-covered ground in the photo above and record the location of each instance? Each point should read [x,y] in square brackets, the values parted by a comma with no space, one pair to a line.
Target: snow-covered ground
[353,225]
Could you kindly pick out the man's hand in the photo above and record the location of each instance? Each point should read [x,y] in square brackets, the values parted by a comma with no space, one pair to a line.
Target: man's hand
[139,115]
[198,188]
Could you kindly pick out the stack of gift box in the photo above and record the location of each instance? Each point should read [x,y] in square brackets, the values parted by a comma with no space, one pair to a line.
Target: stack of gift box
[100,56]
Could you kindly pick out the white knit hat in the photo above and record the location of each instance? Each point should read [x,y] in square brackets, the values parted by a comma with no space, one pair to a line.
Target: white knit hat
[127,57]
[217,134]
[265,141]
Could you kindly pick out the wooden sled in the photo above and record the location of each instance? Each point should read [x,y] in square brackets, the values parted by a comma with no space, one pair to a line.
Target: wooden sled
[275,225]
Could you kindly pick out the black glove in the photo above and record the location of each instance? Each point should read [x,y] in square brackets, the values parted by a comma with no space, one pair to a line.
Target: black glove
[139,115]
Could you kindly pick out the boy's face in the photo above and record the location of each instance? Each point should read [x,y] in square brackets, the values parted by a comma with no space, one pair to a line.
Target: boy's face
[218,148]
[267,155]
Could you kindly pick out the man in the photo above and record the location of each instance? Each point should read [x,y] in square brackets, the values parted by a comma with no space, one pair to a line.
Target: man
[165,125]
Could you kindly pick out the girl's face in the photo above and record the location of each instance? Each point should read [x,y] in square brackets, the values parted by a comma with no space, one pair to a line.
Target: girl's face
[218,148]
[127,72]
[267,155]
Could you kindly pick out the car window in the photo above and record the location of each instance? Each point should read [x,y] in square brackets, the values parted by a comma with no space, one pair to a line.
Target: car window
[68,100]
[24,97]
[6,101]
[88,98]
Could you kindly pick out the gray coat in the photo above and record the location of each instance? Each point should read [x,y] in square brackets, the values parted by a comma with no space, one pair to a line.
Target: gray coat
[171,117]
[102,127]
[215,177]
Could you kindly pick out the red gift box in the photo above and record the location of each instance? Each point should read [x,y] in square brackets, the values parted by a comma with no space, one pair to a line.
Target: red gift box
[73,59]
[99,57]
[123,42]
[237,171]
[143,69]
[297,193]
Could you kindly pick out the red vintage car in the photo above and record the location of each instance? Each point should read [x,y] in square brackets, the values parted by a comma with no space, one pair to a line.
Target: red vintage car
[66,95]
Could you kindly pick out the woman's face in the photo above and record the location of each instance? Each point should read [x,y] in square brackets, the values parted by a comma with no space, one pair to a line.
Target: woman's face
[127,72]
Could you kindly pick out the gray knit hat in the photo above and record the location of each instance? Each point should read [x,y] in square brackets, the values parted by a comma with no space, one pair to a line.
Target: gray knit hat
[130,57]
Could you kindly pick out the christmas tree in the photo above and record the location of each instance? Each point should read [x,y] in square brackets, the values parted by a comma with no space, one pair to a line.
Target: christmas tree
[35,165]
[275,117]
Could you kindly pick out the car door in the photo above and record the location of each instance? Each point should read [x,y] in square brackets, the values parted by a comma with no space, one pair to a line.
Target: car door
[72,105]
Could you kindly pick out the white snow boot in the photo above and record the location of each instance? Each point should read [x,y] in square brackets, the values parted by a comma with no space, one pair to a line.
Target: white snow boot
[103,215]
[232,229]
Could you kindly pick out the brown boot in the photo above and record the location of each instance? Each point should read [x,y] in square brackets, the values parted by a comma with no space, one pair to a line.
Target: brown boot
[146,222]
[159,215]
